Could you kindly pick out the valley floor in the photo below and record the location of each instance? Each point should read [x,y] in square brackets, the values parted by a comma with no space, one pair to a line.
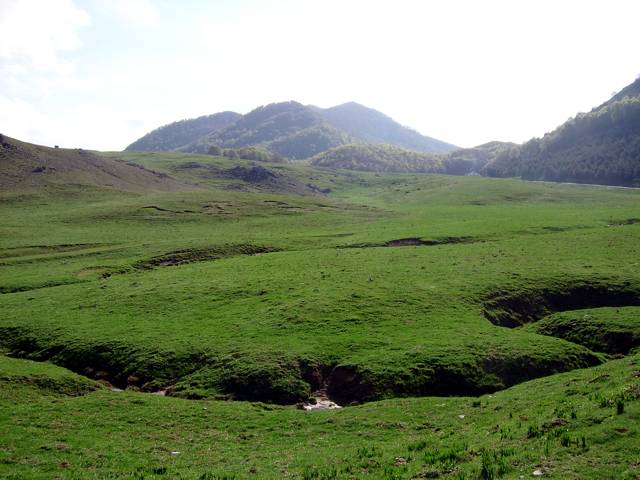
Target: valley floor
[472,327]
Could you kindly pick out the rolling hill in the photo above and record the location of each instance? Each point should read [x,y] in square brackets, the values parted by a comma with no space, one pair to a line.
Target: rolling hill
[24,167]
[293,130]
[601,146]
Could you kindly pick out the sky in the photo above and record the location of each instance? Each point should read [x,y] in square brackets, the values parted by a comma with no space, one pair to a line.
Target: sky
[101,73]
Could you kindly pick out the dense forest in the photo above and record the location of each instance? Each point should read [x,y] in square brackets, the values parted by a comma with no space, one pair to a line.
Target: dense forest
[601,146]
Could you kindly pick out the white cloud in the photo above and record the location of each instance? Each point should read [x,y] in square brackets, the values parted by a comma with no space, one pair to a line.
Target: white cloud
[136,12]
[34,32]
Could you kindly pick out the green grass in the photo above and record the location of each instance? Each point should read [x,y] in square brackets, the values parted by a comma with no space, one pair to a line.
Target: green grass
[567,425]
[155,291]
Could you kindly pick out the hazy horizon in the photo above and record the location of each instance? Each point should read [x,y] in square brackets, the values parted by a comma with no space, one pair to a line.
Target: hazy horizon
[100,74]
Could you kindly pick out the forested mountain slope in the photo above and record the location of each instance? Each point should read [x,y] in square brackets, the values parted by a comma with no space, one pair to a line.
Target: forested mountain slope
[601,146]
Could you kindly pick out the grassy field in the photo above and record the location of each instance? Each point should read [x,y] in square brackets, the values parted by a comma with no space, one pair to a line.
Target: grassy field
[360,286]
[580,424]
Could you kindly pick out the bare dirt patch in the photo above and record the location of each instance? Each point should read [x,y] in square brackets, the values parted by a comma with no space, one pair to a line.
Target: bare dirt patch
[413,242]
[190,255]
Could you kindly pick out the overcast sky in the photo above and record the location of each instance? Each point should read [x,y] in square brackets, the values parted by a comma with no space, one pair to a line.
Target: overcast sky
[101,73]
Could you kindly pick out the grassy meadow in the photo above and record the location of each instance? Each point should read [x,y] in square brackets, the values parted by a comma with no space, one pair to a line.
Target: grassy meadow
[428,306]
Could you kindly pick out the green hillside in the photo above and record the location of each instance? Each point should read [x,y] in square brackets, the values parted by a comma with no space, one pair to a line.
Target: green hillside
[288,129]
[601,146]
[183,132]
[389,158]
[28,168]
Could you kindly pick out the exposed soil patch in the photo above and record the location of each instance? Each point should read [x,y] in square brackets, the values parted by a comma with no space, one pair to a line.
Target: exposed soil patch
[516,308]
[256,174]
[628,221]
[28,288]
[412,242]
[271,180]
[405,242]
[43,249]
[161,209]
[181,257]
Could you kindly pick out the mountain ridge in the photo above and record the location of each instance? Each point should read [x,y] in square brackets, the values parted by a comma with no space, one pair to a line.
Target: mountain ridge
[293,130]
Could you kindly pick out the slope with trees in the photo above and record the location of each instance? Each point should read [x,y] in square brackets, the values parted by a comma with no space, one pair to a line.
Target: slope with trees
[601,146]
[379,158]
[177,134]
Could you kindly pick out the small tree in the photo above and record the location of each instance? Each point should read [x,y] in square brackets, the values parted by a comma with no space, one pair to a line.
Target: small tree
[214,150]
[230,153]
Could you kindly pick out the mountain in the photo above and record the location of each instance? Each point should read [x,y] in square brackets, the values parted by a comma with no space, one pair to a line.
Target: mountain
[371,126]
[24,166]
[177,134]
[292,130]
[601,146]
[379,158]
[288,128]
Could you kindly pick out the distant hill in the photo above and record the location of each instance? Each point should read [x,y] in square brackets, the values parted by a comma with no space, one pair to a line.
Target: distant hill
[601,146]
[379,158]
[295,131]
[177,134]
[289,129]
[467,161]
[24,166]
[371,126]
[389,158]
